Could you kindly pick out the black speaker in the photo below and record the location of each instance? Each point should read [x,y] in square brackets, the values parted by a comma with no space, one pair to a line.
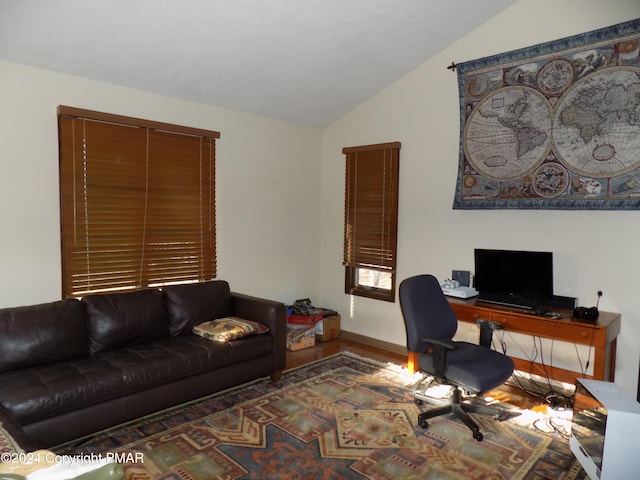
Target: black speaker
[586,314]
[561,302]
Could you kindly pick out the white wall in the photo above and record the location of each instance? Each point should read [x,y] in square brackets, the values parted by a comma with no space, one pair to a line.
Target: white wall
[592,250]
[267,207]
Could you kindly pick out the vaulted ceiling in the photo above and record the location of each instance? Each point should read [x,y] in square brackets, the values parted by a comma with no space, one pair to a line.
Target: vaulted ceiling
[303,61]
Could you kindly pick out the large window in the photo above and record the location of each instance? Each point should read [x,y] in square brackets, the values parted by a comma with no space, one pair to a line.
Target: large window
[137,202]
[371,220]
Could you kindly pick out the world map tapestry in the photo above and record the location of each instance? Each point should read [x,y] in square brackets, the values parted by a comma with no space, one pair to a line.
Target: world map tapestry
[553,126]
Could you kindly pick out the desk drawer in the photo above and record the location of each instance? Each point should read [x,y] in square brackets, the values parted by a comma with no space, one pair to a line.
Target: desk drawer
[542,327]
[469,314]
[575,333]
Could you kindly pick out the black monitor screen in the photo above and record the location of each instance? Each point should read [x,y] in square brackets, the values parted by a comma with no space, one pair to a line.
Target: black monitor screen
[510,272]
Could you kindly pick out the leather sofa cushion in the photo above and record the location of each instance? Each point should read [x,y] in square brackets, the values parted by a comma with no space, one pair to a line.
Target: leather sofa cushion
[116,320]
[194,303]
[12,436]
[41,334]
[34,394]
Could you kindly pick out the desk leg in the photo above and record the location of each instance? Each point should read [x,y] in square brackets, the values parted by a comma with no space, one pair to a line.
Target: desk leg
[604,361]
[412,363]
[612,359]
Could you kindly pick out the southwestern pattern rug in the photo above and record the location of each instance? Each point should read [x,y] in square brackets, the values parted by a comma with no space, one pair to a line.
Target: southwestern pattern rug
[345,417]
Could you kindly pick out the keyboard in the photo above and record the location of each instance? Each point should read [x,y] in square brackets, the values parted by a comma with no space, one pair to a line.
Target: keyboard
[509,300]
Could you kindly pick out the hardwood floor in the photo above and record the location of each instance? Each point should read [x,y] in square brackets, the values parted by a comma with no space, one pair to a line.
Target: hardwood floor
[326,349]
[506,393]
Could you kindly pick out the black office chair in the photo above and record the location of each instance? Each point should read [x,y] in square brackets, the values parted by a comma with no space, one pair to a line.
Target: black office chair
[474,369]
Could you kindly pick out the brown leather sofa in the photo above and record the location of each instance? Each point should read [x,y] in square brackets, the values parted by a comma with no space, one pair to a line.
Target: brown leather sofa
[73,367]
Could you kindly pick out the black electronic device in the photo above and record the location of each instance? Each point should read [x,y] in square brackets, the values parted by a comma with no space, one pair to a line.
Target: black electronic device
[513,277]
[588,314]
[463,277]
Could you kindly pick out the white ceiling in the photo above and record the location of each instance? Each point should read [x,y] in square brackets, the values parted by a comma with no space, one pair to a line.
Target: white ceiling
[303,61]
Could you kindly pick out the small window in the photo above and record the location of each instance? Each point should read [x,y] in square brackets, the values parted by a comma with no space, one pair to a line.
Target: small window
[371,220]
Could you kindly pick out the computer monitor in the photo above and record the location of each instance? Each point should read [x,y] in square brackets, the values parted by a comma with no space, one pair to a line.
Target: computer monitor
[514,272]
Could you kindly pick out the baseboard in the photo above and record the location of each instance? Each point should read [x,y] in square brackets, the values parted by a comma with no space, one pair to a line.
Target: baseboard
[374,342]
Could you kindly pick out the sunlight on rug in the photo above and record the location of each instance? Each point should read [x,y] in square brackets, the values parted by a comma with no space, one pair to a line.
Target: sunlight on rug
[344,417]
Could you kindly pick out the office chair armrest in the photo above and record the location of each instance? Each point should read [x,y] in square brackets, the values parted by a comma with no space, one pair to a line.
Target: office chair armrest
[439,348]
[487,327]
[442,342]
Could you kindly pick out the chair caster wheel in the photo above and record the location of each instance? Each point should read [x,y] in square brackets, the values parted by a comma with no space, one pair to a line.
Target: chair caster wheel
[417,401]
[423,423]
[477,435]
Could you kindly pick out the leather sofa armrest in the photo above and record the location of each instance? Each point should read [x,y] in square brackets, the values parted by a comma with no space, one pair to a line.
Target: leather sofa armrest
[269,312]
[13,428]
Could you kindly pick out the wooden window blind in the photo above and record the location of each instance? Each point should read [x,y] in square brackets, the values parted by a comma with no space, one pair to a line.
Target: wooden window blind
[137,202]
[371,210]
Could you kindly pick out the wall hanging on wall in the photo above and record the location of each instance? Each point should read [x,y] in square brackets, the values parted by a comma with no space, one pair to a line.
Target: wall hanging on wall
[553,126]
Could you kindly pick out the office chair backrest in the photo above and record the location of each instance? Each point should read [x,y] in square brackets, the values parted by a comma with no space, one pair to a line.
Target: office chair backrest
[426,311]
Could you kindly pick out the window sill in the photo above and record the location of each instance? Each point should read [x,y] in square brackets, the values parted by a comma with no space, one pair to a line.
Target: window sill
[374,293]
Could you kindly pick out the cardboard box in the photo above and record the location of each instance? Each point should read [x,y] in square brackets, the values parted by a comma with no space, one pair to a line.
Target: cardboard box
[304,319]
[328,328]
[300,336]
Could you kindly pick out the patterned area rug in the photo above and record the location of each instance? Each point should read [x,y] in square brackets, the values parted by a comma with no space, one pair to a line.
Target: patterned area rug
[345,417]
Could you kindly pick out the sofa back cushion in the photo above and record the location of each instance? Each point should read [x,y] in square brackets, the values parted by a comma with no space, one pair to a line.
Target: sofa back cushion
[194,303]
[119,319]
[44,333]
